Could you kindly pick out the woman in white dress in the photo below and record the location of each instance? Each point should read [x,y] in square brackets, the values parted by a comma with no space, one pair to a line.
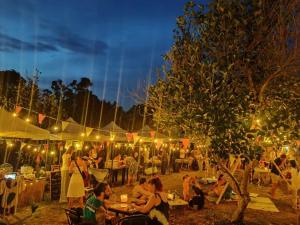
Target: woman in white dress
[76,185]
[65,178]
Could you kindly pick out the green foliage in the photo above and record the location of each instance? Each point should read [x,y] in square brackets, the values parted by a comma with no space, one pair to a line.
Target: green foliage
[219,72]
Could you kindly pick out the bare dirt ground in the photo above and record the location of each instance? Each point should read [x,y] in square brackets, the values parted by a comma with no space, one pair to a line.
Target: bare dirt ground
[52,213]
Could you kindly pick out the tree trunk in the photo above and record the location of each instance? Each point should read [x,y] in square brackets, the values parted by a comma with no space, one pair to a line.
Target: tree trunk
[238,214]
[244,198]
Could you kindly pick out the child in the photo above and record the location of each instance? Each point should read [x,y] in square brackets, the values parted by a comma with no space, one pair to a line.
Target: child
[187,181]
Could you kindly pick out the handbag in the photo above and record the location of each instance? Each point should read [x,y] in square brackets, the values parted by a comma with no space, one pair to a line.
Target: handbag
[81,173]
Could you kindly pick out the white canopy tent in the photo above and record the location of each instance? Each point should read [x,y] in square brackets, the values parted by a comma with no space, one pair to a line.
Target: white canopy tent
[14,127]
[113,130]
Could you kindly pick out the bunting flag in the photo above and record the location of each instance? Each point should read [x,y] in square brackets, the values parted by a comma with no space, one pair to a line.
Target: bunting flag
[18,109]
[129,136]
[41,118]
[64,125]
[46,147]
[22,145]
[135,137]
[88,131]
[185,142]
[152,133]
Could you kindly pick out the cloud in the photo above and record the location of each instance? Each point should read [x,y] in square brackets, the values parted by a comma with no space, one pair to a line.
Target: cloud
[11,44]
[62,37]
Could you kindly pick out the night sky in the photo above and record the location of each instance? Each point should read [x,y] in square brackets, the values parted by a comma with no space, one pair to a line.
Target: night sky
[113,42]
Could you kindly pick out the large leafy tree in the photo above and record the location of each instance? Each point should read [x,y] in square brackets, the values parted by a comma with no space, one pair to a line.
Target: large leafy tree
[231,63]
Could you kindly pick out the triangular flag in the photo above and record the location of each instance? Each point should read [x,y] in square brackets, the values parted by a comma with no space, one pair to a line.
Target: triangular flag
[185,142]
[18,109]
[46,147]
[22,145]
[64,125]
[129,136]
[135,137]
[152,133]
[41,118]
[88,130]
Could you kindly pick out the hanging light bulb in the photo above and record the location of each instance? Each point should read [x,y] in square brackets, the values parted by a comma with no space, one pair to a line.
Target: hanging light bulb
[97,137]
[55,128]
[15,114]
[27,120]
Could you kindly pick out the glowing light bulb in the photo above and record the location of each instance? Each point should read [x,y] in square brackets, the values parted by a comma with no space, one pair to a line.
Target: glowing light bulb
[86,147]
[52,153]
[43,152]
[14,114]
[97,137]
[35,149]
[55,128]
[155,140]
[27,120]
[10,144]
[82,134]
[29,146]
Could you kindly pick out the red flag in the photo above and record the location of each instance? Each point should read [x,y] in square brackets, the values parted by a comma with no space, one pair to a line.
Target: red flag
[41,118]
[18,109]
[185,142]
[129,136]
[152,133]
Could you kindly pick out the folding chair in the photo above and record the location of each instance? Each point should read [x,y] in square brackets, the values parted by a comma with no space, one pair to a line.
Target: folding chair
[73,217]
[139,219]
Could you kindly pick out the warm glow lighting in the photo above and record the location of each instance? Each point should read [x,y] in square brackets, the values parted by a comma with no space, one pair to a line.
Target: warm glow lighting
[86,147]
[10,144]
[35,149]
[155,140]
[141,140]
[97,137]
[52,153]
[29,146]
[55,128]
[170,139]
[27,120]
[14,114]
[77,145]
[82,134]
[43,152]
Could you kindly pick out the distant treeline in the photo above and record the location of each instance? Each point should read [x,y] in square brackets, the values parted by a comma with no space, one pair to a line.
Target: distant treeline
[64,100]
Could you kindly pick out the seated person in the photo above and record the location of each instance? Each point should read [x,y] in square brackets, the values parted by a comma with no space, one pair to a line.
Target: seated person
[197,201]
[157,206]
[140,191]
[94,210]
[218,187]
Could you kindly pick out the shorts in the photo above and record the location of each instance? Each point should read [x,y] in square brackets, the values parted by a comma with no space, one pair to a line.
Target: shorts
[275,178]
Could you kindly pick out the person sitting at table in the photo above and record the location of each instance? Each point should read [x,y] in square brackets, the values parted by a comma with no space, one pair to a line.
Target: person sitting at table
[197,201]
[157,206]
[94,210]
[218,187]
[140,191]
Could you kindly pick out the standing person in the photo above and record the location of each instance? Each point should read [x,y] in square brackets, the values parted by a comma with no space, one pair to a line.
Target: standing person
[294,183]
[76,185]
[275,173]
[132,165]
[101,157]
[65,178]
[157,206]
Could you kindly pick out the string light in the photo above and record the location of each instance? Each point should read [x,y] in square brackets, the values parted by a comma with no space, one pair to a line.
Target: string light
[55,128]
[52,152]
[97,137]
[27,120]
[43,152]
[35,149]
[10,145]
[15,114]
[82,134]
[29,146]
[155,141]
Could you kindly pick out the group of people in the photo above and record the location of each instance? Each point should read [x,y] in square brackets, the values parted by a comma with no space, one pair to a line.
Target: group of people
[75,176]
[150,201]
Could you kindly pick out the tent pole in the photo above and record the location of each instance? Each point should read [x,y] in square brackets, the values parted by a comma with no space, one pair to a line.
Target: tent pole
[5,155]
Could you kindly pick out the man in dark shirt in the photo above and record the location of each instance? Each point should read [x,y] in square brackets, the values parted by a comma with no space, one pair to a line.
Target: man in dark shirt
[275,173]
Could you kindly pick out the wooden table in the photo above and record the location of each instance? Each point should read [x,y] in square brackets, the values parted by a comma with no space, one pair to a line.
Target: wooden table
[122,208]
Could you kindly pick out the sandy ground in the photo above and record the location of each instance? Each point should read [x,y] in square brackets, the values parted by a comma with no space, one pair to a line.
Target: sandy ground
[50,213]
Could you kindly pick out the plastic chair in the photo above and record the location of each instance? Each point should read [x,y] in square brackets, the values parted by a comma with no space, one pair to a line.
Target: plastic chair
[139,219]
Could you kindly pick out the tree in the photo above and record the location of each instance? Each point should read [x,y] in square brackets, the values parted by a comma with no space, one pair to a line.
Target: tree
[220,74]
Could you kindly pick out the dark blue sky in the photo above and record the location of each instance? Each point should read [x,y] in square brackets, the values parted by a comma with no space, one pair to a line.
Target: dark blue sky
[69,39]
